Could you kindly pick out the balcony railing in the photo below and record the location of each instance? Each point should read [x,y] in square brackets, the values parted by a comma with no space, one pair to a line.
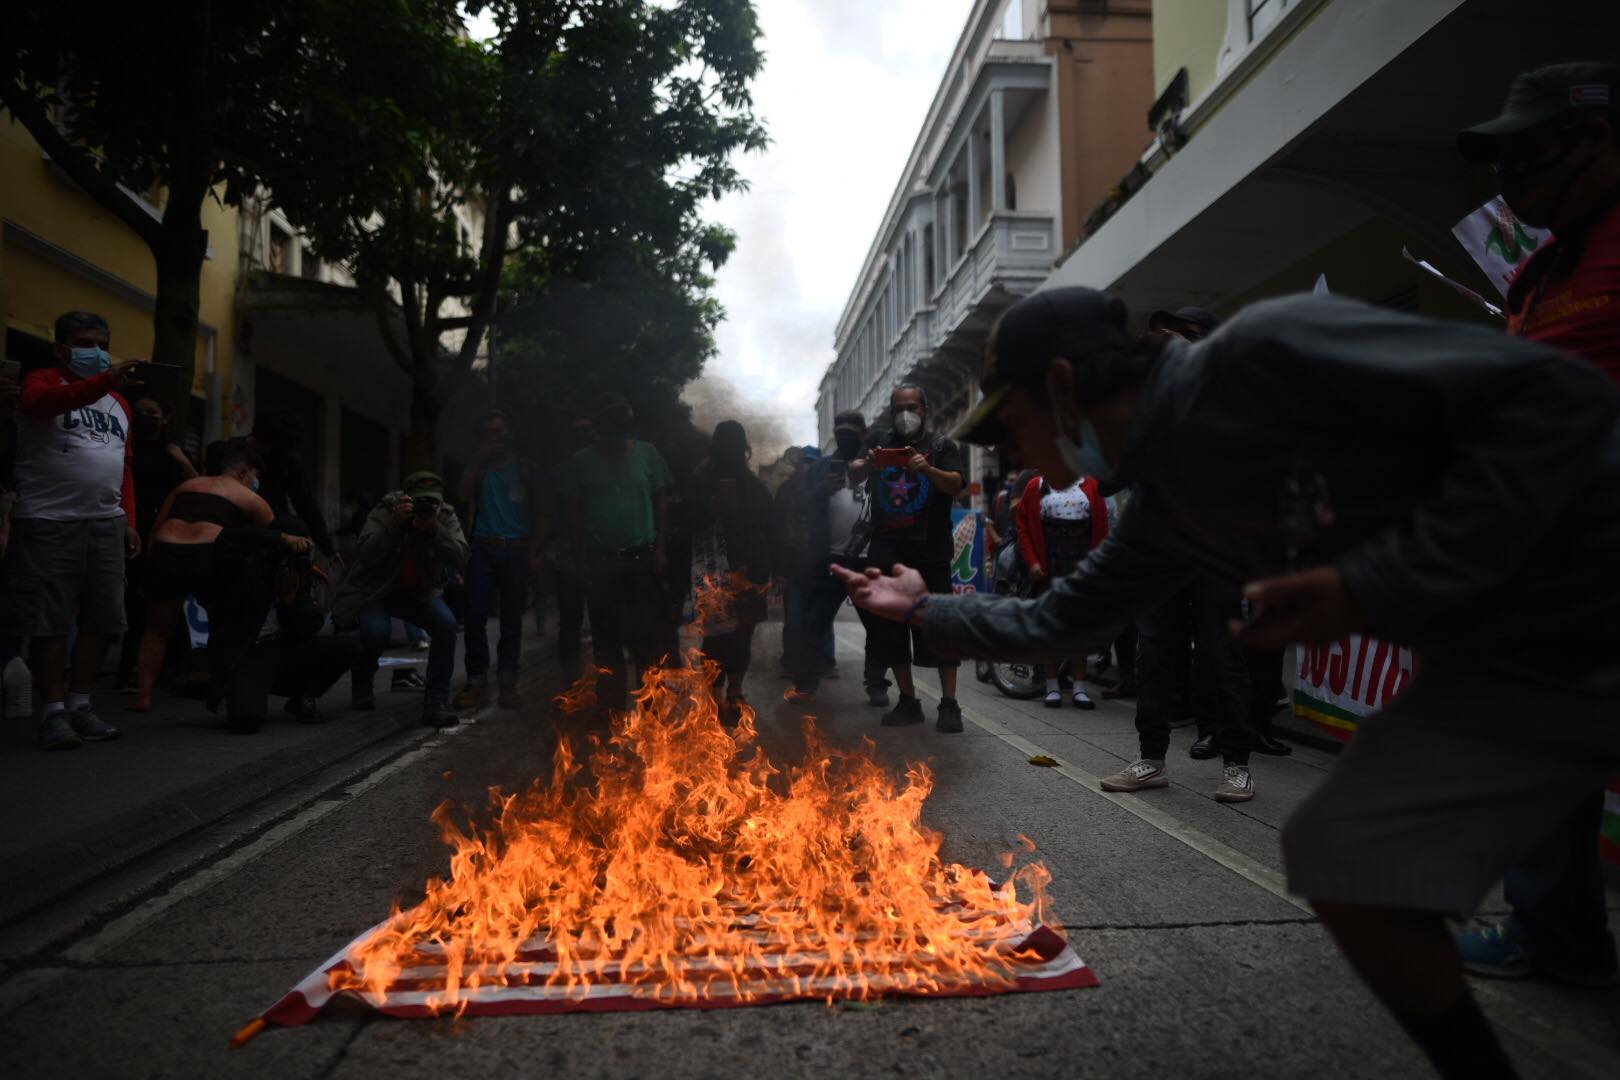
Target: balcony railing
[1013,252]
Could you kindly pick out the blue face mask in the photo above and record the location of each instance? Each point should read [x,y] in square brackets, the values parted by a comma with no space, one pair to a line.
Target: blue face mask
[1086,459]
[88,362]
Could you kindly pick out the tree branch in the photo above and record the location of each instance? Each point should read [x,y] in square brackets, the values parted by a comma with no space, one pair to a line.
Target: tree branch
[78,163]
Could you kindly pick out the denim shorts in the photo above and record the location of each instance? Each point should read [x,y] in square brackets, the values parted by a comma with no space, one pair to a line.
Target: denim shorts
[57,572]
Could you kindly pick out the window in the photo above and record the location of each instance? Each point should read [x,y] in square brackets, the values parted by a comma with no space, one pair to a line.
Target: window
[1012,192]
[278,253]
[1012,21]
[1261,14]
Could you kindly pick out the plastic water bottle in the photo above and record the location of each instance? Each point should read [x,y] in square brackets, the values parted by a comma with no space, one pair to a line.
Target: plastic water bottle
[19,689]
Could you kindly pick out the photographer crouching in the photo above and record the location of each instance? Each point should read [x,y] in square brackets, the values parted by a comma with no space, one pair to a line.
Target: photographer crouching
[407,550]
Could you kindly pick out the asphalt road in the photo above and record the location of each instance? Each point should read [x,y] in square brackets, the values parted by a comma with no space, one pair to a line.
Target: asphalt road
[1208,968]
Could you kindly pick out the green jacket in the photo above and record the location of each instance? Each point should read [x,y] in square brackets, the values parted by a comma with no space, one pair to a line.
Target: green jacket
[385,543]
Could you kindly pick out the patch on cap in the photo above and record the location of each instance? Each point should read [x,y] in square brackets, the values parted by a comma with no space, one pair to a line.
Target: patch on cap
[1589,94]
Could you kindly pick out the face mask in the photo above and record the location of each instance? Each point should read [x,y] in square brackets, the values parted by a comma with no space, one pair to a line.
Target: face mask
[613,425]
[146,427]
[908,424]
[849,447]
[88,362]
[1086,459]
[1535,195]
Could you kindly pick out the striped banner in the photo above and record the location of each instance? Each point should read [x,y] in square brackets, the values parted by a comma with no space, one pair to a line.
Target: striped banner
[1035,957]
[1337,685]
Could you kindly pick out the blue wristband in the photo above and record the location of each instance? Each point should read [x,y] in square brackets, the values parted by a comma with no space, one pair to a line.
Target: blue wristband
[921,603]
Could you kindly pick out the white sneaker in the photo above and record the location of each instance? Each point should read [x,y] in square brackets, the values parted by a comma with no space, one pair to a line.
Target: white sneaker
[1236,785]
[19,690]
[1138,776]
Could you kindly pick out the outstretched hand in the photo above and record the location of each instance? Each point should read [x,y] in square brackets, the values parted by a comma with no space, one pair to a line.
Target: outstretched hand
[892,596]
[1311,608]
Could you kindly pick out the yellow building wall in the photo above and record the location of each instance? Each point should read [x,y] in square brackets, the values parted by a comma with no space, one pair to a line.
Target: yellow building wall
[35,290]
[1187,34]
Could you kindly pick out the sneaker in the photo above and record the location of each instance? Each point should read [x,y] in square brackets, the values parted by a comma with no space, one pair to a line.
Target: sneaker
[438,714]
[409,679]
[1236,785]
[304,710]
[18,691]
[423,645]
[877,697]
[1267,743]
[1203,748]
[950,718]
[89,726]
[1493,951]
[55,733]
[907,711]
[1054,699]
[510,699]
[1138,776]
[472,697]
[1082,700]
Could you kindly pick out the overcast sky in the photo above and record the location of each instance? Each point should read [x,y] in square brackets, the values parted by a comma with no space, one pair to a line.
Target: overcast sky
[844,91]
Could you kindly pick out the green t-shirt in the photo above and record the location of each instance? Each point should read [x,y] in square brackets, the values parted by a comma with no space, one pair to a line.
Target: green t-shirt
[616,495]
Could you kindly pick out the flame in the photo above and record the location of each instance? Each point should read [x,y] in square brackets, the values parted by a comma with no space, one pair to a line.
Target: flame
[714,600]
[675,860]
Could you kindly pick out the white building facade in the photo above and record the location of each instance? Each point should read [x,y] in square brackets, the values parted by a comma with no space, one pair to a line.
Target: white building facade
[1018,144]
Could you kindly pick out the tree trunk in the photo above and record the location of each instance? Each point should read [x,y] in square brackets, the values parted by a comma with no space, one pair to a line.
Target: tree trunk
[179,255]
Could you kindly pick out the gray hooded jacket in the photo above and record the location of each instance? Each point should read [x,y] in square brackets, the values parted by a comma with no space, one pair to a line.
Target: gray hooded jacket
[1466,484]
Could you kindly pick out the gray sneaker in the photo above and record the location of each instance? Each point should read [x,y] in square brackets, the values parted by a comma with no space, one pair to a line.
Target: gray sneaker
[1138,776]
[55,733]
[90,727]
[1236,785]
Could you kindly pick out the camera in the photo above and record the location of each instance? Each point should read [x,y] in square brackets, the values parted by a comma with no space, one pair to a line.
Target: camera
[837,467]
[425,507]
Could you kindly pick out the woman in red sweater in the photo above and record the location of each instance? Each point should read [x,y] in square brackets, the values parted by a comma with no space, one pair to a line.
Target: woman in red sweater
[1057,529]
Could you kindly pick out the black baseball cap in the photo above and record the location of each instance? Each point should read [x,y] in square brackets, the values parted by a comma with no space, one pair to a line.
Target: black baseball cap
[1201,319]
[1540,96]
[1070,322]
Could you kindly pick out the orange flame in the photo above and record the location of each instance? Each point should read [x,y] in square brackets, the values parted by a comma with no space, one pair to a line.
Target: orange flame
[676,862]
[714,600]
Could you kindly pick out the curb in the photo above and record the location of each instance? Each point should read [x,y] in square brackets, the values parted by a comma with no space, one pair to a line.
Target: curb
[36,877]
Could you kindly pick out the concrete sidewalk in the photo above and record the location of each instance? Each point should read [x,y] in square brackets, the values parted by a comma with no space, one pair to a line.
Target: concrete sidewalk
[71,816]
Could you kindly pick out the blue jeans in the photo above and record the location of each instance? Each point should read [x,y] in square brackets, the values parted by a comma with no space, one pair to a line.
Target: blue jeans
[431,614]
[1556,891]
[495,576]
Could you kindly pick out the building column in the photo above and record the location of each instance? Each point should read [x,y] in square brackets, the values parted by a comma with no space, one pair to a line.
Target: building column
[948,234]
[973,159]
[998,151]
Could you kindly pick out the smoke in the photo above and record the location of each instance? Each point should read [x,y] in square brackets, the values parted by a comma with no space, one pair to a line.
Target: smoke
[714,398]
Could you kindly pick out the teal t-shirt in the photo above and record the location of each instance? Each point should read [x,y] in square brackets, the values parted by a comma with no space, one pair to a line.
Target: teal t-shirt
[504,512]
[616,495]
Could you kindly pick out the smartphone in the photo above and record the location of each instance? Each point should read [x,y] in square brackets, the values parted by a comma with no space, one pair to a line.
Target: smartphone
[837,467]
[11,369]
[892,457]
[161,378]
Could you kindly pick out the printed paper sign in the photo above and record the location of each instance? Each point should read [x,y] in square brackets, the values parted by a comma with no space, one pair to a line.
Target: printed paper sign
[1499,242]
[967,564]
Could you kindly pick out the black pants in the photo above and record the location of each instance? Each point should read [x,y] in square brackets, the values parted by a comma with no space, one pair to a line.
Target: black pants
[307,668]
[1265,685]
[1164,650]
[570,595]
[732,652]
[1556,891]
[625,600]
[1125,654]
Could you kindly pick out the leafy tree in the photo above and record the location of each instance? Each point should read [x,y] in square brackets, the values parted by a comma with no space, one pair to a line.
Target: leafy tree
[587,134]
[199,99]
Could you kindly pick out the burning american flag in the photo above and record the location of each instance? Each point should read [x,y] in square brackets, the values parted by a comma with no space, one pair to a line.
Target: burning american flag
[674,865]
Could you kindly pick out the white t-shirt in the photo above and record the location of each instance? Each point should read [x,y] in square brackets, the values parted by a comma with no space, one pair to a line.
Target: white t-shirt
[846,508]
[1070,504]
[70,466]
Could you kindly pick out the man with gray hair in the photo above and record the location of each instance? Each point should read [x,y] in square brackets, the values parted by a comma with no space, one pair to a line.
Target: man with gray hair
[73,523]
